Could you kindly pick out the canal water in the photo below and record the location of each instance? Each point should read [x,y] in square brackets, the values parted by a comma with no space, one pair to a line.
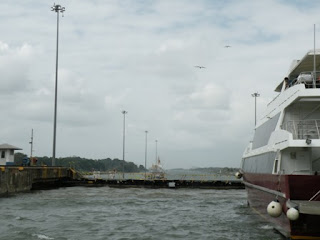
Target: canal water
[82,213]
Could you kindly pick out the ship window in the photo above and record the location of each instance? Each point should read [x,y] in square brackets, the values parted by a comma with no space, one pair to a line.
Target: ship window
[293,155]
[263,132]
[263,163]
[3,154]
[275,166]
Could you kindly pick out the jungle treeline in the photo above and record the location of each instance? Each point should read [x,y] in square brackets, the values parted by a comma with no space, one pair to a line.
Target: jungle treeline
[84,164]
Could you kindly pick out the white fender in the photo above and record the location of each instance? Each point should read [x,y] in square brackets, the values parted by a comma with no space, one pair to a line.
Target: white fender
[274,209]
[238,175]
[292,214]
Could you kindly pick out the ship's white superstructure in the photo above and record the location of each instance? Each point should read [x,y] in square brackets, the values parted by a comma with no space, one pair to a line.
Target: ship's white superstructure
[292,120]
[280,165]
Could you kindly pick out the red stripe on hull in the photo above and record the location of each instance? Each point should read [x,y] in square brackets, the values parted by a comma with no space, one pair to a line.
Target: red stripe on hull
[294,187]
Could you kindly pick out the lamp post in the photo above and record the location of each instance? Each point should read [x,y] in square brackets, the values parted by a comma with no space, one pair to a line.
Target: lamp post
[145,157]
[31,143]
[255,95]
[58,9]
[124,138]
[156,151]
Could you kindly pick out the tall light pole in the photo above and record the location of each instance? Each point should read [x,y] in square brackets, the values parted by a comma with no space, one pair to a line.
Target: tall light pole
[156,151]
[145,157]
[124,139]
[58,9]
[31,143]
[255,95]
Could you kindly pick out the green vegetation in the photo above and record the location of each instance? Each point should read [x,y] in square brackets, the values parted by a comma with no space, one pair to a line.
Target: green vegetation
[224,170]
[85,165]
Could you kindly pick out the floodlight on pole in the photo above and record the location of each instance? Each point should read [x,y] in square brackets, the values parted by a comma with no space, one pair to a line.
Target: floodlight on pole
[255,95]
[124,139]
[58,9]
[31,143]
[145,157]
[156,151]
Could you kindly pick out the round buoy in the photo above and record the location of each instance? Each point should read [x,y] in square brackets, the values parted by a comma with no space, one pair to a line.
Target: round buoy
[274,209]
[292,214]
[238,175]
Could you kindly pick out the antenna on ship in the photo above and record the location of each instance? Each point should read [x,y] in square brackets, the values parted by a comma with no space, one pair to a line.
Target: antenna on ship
[314,56]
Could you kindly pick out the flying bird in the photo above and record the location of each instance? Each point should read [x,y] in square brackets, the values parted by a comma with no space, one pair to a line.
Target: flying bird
[227,46]
[199,67]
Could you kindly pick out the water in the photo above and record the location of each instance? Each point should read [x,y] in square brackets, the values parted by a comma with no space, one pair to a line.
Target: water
[111,213]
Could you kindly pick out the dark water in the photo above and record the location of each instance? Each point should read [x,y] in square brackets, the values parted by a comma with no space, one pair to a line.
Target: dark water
[111,213]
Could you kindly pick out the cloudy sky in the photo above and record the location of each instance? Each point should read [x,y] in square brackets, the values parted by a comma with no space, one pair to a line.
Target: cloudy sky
[139,56]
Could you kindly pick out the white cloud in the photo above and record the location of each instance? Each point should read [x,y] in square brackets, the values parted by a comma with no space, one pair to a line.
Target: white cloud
[210,96]
[140,56]
[14,68]
[3,47]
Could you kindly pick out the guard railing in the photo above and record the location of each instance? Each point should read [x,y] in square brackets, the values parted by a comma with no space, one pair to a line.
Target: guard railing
[303,129]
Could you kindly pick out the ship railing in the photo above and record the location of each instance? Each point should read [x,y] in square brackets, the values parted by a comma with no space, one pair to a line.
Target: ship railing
[273,99]
[314,196]
[303,129]
[302,171]
[306,78]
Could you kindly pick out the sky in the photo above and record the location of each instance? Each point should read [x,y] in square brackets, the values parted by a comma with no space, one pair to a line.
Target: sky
[140,56]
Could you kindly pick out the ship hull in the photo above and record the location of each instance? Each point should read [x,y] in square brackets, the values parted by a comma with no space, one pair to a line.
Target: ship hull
[264,188]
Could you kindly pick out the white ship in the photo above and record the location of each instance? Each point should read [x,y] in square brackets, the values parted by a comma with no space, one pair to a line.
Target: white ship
[157,171]
[281,166]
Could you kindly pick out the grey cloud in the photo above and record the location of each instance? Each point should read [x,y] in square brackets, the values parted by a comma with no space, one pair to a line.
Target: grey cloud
[14,68]
[140,56]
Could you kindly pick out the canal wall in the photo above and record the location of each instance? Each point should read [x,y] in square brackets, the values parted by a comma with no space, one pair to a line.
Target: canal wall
[14,179]
[164,183]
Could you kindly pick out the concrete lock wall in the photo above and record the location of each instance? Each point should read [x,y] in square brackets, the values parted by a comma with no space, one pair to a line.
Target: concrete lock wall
[20,179]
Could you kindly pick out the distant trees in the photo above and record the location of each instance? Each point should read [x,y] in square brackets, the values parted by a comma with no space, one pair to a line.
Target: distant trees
[224,170]
[85,165]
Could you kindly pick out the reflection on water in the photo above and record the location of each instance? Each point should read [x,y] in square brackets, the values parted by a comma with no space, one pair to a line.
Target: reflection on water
[81,213]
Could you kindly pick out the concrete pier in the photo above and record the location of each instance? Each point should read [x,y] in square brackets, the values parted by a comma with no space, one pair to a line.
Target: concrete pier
[14,179]
[164,183]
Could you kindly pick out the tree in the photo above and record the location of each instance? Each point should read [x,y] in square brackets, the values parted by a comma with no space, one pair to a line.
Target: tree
[85,165]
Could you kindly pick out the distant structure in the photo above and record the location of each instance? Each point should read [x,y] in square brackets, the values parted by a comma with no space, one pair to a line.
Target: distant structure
[156,170]
[7,154]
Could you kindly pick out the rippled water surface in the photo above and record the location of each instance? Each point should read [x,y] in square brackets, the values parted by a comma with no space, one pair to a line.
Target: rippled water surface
[132,213]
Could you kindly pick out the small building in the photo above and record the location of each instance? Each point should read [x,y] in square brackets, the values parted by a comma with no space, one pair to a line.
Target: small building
[7,154]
